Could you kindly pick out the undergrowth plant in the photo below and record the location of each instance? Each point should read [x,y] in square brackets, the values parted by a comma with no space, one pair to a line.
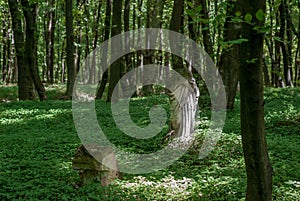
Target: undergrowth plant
[39,140]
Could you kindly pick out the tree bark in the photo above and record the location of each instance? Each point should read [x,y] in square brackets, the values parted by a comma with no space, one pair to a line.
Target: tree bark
[297,59]
[92,78]
[229,62]
[285,53]
[87,40]
[70,48]
[115,68]
[50,41]
[6,46]
[126,19]
[104,78]
[78,36]
[208,46]
[30,11]
[184,97]
[175,25]
[259,170]
[266,73]
[289,43]
[23,71]
[153,21]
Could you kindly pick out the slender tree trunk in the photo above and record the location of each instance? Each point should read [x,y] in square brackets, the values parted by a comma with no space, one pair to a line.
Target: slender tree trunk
[192,25]
[50,41]
[277,67]
[59,42]
[270,46]
[95,42]
[218,31]
[289,33]
[78,48]
[152,21]
[133,54]
[63,61]
[285,54]
[208,46]
[5,48]
[70,48]
[229,62]
[259,170]
[139,52]
[78,37]
[298,70]
[297,59]
[126,18]
[266,73]
[104,78]
[115,68]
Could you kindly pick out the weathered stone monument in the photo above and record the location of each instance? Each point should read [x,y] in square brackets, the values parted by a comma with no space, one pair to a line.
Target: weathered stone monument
[89,161]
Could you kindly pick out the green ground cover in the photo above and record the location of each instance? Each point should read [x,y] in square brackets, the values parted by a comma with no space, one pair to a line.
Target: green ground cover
[38,141]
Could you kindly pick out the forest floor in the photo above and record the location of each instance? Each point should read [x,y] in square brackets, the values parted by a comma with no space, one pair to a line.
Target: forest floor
[39,140]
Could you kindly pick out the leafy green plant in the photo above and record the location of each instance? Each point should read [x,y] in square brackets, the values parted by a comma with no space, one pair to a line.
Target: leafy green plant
[38,141]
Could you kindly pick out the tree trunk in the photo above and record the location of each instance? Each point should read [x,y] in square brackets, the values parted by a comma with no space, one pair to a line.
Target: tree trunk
[229,63]
[60,42]
[23,71]
[104,78]
[259,170]
[95,42]
[139,52]
[184,97]
[152,21]
[276,68]
[30,11]
[192,25]
[297,59]
[289,44]
[175,24]
[87,41]
[6,47]
[285,54]
[78,37]
[298,70]
[70,48]
[115,68]
[208,46]
[126,18]
[266,73]
[50,42]
[270,46]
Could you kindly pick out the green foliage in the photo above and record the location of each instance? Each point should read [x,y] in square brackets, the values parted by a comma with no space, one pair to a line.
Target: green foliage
[38,141]
[248,18]
[8,93]
[260,15]
[238,41]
